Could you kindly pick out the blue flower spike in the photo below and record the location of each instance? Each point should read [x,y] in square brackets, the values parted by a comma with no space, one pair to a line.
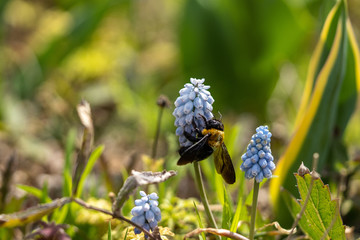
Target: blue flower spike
[258,161]
[194,100]
[146,212]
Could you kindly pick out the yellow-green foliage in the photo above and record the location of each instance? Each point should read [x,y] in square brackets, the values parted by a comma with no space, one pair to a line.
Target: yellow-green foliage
[179,214]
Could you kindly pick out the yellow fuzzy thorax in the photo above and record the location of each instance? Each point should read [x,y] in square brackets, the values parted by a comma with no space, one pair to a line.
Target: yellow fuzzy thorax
[216,137]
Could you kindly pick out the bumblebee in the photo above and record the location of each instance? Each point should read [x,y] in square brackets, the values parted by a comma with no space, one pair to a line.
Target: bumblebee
[209,140]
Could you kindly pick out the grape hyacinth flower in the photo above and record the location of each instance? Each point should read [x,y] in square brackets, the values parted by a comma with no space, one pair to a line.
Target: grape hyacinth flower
[146,212]
[192,108]
[194,101]
[258,161]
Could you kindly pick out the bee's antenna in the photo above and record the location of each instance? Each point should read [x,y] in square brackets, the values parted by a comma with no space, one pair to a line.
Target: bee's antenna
[220,115]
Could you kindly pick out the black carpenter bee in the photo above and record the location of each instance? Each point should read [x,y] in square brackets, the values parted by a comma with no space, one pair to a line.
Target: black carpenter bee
[209,140]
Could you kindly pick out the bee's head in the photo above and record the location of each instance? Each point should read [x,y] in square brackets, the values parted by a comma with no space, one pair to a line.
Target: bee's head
[214,123]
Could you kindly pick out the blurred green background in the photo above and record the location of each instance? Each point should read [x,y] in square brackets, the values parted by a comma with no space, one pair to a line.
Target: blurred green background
[121,55]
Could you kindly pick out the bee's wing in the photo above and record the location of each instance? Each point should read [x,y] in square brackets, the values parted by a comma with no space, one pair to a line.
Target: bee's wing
[196,152]
[224,164]
[218,159]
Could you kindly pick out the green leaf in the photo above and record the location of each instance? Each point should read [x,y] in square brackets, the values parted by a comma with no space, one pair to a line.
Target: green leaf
[40,194]
[69,149]
[240,209]
[9,170]
[237,215]
[89,166]
[60,214]
[45,195]
[320,212]
[201,225]
[126,233]
[227,212]
[330,95]
[109,231]
[218,183]
[31,214]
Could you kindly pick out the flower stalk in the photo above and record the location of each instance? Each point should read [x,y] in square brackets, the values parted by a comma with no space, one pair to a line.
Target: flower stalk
[162,102]
[253,209]
[157,134]
[204,200]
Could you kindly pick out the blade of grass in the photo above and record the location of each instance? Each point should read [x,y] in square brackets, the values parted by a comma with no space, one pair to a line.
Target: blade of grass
[227,212]
[109,231]
[126,233]
[60,214]
[89,166]
[201,225]
[6,177]
[34,191]
[45,193]
[239,208]
[69,149]
[236,218]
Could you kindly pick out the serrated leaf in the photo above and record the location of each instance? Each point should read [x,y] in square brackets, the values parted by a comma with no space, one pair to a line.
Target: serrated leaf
[31,214]
[320,212]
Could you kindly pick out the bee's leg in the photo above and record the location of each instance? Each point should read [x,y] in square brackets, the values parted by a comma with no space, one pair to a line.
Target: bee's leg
[205,121]
[197,130]
[190,137]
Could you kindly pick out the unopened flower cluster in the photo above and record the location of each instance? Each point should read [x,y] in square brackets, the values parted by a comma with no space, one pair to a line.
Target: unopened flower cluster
[146,212]
[258,161]
[194,100]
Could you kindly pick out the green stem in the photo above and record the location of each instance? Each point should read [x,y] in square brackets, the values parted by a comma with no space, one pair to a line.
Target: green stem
[203,197]
[253,209]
